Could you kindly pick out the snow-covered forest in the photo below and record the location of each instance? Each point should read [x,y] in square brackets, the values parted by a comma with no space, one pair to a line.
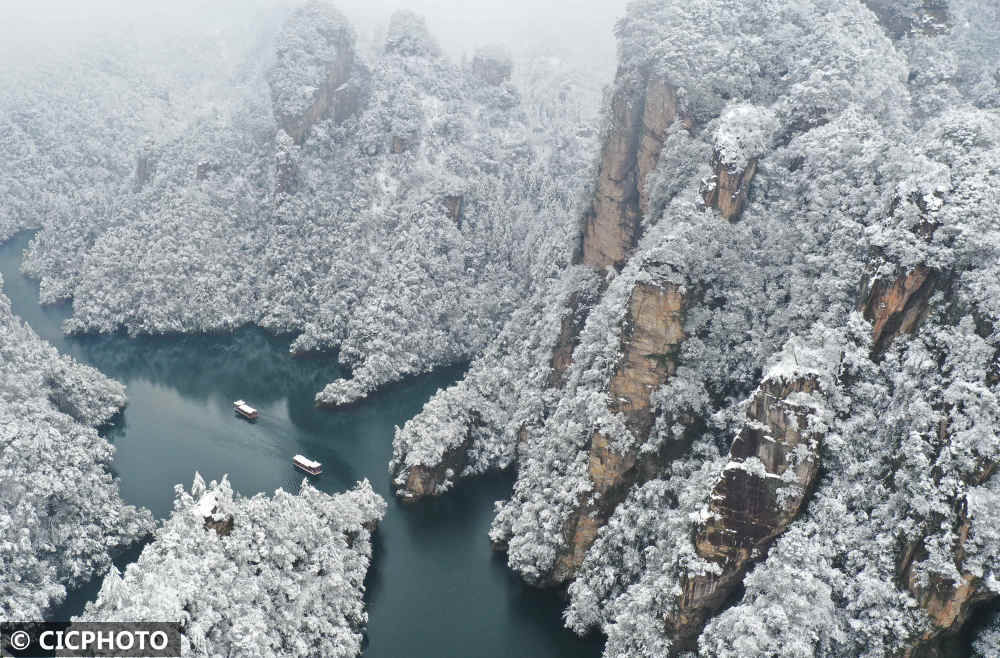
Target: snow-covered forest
[395,207]
[374,198]
[60,512]
[732,322]
[277,576]
[792,197]
[64,521]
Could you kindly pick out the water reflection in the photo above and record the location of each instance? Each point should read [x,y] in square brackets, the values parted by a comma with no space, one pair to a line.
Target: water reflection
[249,363]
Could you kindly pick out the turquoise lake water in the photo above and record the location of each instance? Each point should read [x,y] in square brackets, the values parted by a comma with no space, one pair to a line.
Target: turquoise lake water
[436,589]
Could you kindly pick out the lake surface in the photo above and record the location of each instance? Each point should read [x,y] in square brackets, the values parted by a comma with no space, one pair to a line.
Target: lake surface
[436,589]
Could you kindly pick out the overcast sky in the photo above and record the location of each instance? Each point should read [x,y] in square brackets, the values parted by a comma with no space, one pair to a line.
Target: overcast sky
[582,26]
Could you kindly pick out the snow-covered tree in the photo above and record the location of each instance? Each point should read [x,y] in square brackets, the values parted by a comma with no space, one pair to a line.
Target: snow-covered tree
[861,175]
[281,575]
[61,516]
[394,209]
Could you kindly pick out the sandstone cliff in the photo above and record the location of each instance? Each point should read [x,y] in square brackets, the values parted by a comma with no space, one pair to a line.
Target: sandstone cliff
[727,190]
[773,465]
[653,331]
[640,117]
[612,225]
[947,600]
[896,305]
[421,480]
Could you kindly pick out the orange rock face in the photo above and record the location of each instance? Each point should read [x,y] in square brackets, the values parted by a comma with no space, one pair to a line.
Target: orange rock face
[659,112]
[947,602]
[773,464]
[729,189]
[898,306]
[420,482]
[653,332]
[630,152]
[584,532]
[423,480]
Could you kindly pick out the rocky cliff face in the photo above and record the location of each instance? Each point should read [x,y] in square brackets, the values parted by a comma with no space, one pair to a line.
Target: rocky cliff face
[773,464]
[654,324]
[422,480]
[569,337]
[314,73]
[948,601]
[727,190]
[653,331]
[638,128]
[896,305]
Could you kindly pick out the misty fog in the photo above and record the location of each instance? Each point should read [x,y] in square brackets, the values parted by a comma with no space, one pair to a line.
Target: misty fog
[582,28]
[687,311]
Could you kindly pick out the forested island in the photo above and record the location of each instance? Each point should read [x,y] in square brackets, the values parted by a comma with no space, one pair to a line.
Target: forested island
[732,325]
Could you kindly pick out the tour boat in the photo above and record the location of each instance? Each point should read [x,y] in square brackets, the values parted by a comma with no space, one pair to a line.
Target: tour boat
[307,465]
[245,410]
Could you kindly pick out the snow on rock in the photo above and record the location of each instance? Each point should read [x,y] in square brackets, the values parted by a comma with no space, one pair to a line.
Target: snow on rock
[743,134]
[857,169]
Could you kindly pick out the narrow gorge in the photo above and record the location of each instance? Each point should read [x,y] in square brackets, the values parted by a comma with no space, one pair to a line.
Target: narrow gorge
[683,342]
